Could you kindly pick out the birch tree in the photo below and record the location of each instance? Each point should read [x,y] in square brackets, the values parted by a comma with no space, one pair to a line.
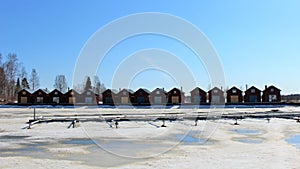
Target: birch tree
[34,80]
[11,72]
[61,83]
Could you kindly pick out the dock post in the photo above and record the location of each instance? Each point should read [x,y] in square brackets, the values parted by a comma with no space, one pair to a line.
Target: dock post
[34,113]
[116,123]
[73,124]
[163,125]
[236,123]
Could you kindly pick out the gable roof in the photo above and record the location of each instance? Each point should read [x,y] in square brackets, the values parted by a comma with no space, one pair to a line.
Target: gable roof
[28,91]
[159,89]
[270,87]
[89,90]
[199,89]
[142,89]
[110,90]
[215,88]
[253,87]
[234,88]
[40,90]
[72,90]
[126,90]
[175,89]
[55,90]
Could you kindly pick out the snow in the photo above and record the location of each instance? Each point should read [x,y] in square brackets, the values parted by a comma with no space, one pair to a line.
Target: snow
[144,144]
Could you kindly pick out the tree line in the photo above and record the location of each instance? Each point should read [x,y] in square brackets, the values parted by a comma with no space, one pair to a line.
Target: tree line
[97,87]
[14,77]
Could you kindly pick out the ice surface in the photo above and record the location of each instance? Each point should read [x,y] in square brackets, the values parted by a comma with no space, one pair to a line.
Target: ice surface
[54,146]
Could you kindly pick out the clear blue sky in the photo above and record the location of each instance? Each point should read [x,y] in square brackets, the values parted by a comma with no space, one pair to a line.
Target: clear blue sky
[258,42]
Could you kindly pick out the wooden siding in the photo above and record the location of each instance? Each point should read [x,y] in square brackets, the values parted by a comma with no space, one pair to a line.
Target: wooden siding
[198,96]
[108,97]
[252,95]
[141,97]
[158,97]
[175,96]
[24,97]
[271,94]
[124,97]
[56,97]
[234,95]
[216,96]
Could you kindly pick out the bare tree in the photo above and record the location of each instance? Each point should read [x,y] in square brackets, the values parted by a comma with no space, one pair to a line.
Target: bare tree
[23,73]
[102,88]
[97,85]
[34,80]
[2,80]
[78,87]
[61,83]
[0,59]
[11,72]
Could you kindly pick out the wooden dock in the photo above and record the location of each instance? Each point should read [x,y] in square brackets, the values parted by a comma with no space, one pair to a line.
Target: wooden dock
[178,116]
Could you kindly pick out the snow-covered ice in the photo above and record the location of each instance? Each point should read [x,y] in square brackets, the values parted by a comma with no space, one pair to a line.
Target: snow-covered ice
[254,143]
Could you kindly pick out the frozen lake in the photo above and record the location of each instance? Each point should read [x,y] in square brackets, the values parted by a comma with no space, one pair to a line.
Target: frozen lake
[254,143]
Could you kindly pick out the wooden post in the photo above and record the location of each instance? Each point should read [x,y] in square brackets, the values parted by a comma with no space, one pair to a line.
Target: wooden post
[73,124]
[34,113]
[163,125]
[236,123]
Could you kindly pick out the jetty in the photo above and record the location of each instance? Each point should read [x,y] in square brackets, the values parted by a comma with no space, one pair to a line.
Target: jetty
[116,118]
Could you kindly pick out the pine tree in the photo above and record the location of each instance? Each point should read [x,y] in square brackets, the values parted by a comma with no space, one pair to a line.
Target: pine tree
[88,84]
[25,84]
[18,86]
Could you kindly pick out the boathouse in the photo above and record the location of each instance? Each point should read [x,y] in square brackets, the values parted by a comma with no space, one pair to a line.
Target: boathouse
[24,97]
[158,97]
[216,96]
[175,96]
[124,97]
[252,95]
[234,95]
[198,96]
[141,97]
[40,97]
[108,97]
[56,97]
[271,94]
[71,96]
[88,97]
